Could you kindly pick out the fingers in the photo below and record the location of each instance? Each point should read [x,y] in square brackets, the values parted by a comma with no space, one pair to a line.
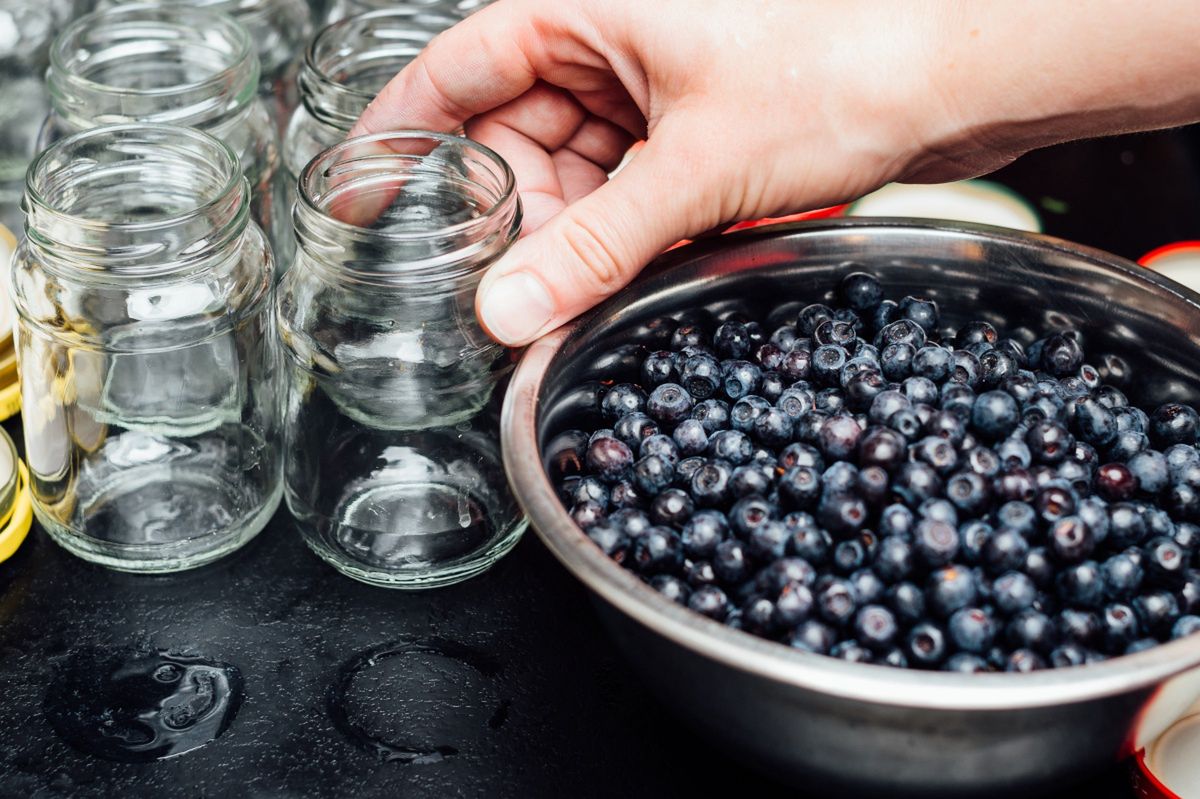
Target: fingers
[587,252]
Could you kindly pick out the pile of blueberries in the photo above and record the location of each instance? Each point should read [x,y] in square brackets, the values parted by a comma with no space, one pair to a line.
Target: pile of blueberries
[865,484]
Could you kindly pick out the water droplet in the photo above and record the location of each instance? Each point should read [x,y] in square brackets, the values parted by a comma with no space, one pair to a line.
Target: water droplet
[395,699]
[137,706]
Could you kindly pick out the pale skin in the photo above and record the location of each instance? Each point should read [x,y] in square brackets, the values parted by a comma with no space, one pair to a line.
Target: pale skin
[757,108]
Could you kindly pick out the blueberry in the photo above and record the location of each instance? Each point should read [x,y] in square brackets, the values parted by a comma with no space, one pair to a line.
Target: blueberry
[812,544]
[588,488]
[946,425]
[994,415]
[1071,540]
[773,427]
[950,589]
[895,361]
[925,645]
[971,630]
[769,356]
[997,366]
[1033,630]
[1149,468]
[699,573]
[881,446]
[782,572]
[612,540]
[1024,661]
[710,601]
[768,541]
[1080,627]
[1013,592]
[750,479]
[965,663]
[1185,626]
[702,532]
[1121,627]
[873,486]
[1174,423]
[796,365]
[700,376]
[829,401]
[652,474]
[740,378]
[729,561]
[1081,585]
[972,539]
[799,488]
[932,362]
[1061,355]
[621,399]
[810,316]
[969,492]
[1164,562]
[839,437]
[1054,502]
[660,445]
[936,543]
[795,403]
[609,459]
[713,414]
[657,551]
[862,389]
[1094,423]
[1126,526]
[836,602]
[919,310]
[747,514]
[672,588]
[732,340]
[1005,551]
[916,482]
[688,335]
[894,559]
[630,521]
[658,368]
[827,362]
[690,438]
[685,469]
[672,508]
[1069,654]
[1127,444]
[668,404]
[745,411]
[710,483]
[1048,442]
[875,628]
[965,369]
[897,520]
[841,514]
[813,636]
[861,291]
[793,605]
[731,446]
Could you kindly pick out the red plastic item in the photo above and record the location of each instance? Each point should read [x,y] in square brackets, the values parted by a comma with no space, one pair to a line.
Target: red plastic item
[1145,784]
[1169,249]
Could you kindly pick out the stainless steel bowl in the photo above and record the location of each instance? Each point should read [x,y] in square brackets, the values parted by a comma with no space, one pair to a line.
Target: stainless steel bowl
[818,722]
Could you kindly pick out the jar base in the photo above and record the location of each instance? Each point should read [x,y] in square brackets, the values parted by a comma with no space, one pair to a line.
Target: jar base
[163,557]
[426,522]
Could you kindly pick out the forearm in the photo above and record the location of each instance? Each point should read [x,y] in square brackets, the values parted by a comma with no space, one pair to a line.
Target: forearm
[1019,75]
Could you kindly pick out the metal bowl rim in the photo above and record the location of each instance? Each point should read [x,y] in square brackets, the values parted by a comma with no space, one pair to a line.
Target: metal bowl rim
[768,659]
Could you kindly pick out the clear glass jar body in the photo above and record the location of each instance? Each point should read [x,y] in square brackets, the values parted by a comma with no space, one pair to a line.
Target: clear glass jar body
[344,67]
[280,30]
[145,342]
[460,9]
[175,65]
[392,465]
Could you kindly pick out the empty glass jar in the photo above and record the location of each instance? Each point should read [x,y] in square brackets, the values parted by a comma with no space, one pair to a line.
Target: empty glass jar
[345,67]
[392,465]
[145,338]
[340,9]
[178,65]
[279,29]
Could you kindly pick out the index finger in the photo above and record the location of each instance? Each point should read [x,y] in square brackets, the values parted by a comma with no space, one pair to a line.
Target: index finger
[481,63]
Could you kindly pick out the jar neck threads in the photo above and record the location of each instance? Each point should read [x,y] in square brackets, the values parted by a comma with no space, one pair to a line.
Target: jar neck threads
[350,61]
[135,201]
[455,8]
[407,208]
[179,65]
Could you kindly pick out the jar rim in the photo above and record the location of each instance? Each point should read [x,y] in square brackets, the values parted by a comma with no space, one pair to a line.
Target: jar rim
[312,60]
[205,19]
[333,155]
[228,161]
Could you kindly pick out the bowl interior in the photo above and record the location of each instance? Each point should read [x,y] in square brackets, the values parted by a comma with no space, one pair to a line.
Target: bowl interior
[1026,285]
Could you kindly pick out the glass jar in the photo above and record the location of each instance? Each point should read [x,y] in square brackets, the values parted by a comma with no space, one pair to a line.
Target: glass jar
[178,65]
[26,30]
[459,9]
[392,467]
[280,29]
[344,67]
[145,342]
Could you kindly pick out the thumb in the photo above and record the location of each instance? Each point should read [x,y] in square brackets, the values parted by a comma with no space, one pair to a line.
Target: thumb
[588,251]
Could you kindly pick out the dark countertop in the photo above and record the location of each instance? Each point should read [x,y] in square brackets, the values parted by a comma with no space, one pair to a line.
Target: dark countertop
[531,701]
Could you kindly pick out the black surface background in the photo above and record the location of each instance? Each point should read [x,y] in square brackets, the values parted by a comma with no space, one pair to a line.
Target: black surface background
[560,716]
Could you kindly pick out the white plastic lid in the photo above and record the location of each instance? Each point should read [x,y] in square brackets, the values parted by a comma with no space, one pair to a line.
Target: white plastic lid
[1179,261]
[979,201]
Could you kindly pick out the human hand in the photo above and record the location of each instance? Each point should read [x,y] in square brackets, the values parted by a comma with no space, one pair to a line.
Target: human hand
[754,108]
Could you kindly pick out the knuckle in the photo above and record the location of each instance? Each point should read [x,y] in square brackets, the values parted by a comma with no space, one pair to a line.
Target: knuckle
[600,269]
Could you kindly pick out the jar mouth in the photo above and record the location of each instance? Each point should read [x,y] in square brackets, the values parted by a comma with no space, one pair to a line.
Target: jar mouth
[459,8]
[138,199]
[240,9]
[142,62]
[348,62]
